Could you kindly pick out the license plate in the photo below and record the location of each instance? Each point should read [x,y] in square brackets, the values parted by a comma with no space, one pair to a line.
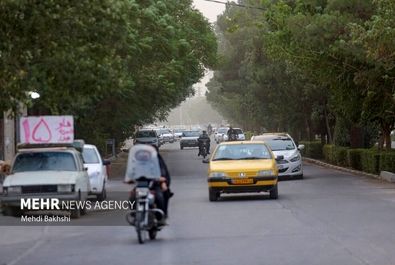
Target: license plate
[242,181]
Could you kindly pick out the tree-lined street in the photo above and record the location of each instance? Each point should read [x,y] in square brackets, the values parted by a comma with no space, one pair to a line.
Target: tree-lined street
[329,217]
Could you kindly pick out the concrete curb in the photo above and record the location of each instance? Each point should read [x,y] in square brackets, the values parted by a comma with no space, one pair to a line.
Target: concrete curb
[348,170]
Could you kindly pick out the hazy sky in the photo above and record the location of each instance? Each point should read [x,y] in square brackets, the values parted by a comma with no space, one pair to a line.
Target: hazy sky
[209,9]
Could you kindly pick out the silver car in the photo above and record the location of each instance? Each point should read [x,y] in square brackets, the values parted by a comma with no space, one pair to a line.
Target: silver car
[282,144]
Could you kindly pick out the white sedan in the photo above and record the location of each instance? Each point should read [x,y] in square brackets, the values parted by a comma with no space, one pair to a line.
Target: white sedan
[96,170]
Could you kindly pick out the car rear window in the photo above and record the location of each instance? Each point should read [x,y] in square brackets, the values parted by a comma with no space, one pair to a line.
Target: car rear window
[238,131]
[190,134]
[222,130]
[90,156]
[44,161]
[145,134]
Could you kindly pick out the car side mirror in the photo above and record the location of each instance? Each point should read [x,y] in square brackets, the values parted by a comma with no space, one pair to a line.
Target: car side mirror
[85,168]
[301,147]
[279,158]
[205,161]
[106,162]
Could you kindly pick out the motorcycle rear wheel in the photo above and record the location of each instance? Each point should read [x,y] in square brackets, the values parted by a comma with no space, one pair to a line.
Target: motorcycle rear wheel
[152,233]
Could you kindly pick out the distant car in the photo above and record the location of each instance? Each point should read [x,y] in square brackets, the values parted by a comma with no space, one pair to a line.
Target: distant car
[147,136]
[239,133]
[189,139]
[166,135]
[178,133]
[282,144]
[242,167]
[219,134]
[97,171]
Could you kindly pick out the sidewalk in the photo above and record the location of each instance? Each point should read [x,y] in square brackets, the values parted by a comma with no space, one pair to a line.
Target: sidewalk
[348,170]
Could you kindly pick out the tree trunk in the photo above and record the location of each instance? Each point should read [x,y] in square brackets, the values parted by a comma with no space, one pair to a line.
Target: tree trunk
[328,128]
[386,134]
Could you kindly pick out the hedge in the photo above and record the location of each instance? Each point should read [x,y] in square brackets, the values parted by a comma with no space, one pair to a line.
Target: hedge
[387,161]
[312,149]
[327,152]
[354,157]
[370,161]
[367,160]
[248,135]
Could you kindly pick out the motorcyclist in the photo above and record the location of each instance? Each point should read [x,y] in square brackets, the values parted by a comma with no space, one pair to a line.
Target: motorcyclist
[232,134]
[162,189]
[209,129]
[165,185]
[204,139]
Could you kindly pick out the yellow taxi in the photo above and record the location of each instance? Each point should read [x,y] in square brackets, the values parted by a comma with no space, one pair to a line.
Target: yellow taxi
[237,167]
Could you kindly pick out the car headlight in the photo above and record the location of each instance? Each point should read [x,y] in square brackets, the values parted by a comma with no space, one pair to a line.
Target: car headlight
[265,173]
[295,158]
[66,188]
[13,189]
[217,175]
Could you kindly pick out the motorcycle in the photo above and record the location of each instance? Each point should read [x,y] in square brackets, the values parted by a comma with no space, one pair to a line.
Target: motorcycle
[145,217]
[143,170]
[204,149]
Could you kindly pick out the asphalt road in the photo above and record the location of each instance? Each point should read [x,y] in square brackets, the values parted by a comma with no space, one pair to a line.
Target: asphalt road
[330,218]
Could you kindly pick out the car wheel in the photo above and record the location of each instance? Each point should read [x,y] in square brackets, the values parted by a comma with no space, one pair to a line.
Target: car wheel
[75,213]
[213,195]
[181,147]
[103,195]
[12,211]
[274,193]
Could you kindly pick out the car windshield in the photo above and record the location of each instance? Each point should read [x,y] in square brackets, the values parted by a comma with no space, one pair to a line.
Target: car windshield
[90,156]
[165,131]
[44,161]
[190,134]
[280,144]
[144,134]
[222,130]
[242,152]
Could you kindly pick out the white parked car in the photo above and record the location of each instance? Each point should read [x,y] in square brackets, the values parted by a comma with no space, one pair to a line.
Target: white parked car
[282,144]
[239,132]
[45,172]
[97,171]
[166,135]
[219,134]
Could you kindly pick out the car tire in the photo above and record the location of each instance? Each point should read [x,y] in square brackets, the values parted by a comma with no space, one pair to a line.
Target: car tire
[274,192]
[75,213]
[103,195]
[213,195]
[12,211]
[181,147]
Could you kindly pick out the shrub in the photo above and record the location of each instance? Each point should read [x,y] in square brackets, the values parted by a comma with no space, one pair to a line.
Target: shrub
[370,161]
[312,149]
[354,158]
[339,156]
[248,135]
[327,152]
[387,161]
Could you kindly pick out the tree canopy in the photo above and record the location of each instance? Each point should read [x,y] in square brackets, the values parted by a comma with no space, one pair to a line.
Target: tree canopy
[308,67]
[112,64]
